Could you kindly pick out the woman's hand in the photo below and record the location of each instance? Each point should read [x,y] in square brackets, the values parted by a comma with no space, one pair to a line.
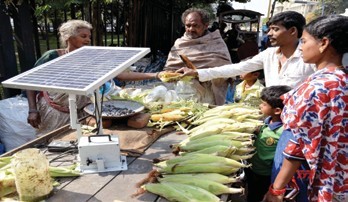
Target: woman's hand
[187,72]
[34,119]
[272,198]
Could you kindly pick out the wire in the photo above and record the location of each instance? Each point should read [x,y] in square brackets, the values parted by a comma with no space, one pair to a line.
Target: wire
[70,151]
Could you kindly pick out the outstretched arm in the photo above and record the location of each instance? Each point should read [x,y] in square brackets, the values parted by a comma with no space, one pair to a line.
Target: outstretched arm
[136,76]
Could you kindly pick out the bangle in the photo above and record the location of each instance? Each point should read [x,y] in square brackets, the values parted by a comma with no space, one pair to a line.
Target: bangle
[33,111]
[276,192]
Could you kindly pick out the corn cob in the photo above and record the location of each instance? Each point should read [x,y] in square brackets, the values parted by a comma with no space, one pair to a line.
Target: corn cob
[5,161]
[216,177]
[247,127]
[232,134]
[244,150]
[209,185]
[211,130]
[212,122]
[218,150]
[241,157]
[219,109]
[190,147]
[187,192]
[63,171]
[7,183]
[199,168]
[201,159]
[167,117]
[236,143]
[203,120]
[166,191]
[238,135]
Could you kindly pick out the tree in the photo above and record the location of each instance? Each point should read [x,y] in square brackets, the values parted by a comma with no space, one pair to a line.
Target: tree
[333,7]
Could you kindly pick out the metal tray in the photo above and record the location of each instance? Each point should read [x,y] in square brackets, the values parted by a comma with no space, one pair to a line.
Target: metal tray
[121,103]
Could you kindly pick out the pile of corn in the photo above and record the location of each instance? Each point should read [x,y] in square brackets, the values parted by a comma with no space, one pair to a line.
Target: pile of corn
[176,111]
[215,149]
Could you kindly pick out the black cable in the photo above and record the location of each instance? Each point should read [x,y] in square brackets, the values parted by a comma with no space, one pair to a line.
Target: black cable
[70,151]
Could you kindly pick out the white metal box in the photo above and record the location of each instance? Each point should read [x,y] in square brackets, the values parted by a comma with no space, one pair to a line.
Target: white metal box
[100,153]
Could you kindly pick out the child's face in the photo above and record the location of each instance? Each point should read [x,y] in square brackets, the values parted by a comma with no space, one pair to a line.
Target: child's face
[249,76]
[266,109]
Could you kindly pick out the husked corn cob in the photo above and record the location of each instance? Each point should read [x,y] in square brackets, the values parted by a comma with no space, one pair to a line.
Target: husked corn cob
[216,177]
[209,185]
[167,117]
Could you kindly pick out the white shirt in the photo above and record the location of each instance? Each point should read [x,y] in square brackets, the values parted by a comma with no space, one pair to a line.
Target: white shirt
[293,72]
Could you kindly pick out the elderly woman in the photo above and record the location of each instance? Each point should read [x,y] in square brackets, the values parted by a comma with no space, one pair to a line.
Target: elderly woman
[316,114]
[50,110]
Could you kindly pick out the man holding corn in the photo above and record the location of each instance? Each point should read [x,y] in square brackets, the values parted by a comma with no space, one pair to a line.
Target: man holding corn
[205,49]
[282,64]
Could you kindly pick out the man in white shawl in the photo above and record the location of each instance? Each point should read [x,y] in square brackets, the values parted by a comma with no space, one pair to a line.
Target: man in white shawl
[205,50]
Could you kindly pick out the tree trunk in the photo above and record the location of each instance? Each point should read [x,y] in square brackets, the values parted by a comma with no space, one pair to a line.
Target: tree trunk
[8,66]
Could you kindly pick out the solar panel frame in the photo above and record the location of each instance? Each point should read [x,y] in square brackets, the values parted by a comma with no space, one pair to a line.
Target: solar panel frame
[85,73]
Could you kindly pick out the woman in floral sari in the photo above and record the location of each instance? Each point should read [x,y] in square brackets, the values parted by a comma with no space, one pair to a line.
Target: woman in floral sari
[316,112]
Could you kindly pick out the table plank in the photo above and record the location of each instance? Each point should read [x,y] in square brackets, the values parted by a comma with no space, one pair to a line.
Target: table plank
[118,185]
[122,187]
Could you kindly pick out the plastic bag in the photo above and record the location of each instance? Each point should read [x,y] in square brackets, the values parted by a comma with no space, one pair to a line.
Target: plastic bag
[185,90]
[14,129]
[157,94]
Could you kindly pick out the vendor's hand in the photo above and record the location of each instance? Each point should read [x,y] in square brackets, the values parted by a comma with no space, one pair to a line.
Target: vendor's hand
[34,119]
[169,76]
[187,72]
[271,198]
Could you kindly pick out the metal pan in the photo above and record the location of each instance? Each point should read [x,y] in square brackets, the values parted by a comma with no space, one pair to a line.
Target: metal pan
[115,109]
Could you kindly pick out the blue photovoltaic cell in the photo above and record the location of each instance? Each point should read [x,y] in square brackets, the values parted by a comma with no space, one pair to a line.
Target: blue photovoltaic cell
[80,68]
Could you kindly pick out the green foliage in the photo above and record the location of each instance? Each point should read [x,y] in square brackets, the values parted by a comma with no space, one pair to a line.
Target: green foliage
[334,6]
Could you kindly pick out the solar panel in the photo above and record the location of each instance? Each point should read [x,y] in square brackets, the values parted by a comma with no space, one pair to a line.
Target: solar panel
[79,72]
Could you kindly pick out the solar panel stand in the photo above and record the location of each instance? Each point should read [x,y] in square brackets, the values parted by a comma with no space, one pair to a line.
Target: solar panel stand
[74,123]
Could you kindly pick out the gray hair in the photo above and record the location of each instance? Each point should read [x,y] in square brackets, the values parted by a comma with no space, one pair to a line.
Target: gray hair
[70,28]
[203,13]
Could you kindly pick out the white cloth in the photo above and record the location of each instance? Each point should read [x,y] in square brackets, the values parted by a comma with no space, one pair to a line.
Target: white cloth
[293,72]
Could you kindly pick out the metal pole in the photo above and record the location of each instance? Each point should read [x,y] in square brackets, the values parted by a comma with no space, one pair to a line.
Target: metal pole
[269,8]
[322,7]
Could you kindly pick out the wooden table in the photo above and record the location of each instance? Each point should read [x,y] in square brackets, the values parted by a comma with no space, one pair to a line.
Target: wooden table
[110,186]
[117,185]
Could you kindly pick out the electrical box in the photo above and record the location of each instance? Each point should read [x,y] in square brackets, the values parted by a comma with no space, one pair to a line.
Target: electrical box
[100,153]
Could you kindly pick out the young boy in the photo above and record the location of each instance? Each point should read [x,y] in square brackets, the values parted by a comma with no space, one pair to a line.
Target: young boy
[259,175]
[249,90]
